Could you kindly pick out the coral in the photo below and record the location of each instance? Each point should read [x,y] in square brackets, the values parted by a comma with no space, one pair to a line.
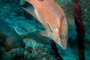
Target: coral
[55,51]
[37,50]
[80,29]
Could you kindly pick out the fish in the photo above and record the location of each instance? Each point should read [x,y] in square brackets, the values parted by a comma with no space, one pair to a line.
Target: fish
[52,17]
[26,14]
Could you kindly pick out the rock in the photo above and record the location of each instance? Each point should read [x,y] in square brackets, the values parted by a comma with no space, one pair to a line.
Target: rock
[10,39]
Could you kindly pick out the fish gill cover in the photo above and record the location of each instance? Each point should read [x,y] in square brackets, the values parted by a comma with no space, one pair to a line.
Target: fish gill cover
[26,31]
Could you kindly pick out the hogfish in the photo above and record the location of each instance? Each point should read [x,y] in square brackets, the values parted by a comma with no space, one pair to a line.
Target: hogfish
[50,14]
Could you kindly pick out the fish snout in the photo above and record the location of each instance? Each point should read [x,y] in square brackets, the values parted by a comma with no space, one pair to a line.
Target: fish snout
[60,39]
[62,43]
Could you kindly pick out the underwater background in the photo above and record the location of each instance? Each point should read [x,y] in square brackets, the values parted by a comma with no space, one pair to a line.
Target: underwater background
[22,27]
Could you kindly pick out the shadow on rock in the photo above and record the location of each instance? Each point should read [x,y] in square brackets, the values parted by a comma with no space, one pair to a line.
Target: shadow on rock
[8,37]
[37,37]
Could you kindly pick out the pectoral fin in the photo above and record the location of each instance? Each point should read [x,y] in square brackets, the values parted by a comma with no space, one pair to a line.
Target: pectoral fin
[44,33]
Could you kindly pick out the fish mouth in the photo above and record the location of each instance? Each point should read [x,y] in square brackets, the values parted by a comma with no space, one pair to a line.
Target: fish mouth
[63,45]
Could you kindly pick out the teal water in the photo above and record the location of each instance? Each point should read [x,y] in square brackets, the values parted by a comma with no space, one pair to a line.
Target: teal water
[19,26]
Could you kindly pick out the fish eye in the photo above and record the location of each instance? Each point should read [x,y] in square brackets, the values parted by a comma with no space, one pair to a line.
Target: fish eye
[40,0]
[61,36]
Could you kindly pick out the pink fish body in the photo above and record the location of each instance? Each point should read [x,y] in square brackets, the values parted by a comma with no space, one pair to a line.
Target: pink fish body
[53,19]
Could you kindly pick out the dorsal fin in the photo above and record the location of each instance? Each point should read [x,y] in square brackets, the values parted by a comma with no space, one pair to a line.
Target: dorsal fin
[58,5]
[29,8]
